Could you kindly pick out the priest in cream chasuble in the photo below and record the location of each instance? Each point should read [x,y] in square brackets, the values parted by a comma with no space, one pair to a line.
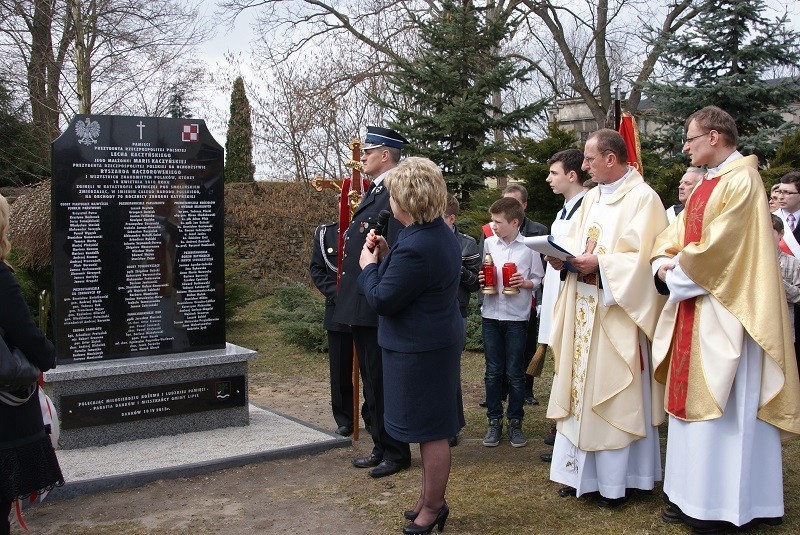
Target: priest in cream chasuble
[723,347]
[602,325]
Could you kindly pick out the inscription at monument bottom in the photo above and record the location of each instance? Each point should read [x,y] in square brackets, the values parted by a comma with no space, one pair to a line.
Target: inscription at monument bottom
[116,406]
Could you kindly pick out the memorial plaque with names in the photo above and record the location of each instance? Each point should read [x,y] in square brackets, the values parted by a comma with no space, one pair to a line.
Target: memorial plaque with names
[125,405]
[137,234]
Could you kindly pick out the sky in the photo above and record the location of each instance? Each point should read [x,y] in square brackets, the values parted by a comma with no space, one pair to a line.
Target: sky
[237,39]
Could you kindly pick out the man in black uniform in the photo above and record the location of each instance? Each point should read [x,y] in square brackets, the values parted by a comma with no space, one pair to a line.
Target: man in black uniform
[381,153]
[323,269]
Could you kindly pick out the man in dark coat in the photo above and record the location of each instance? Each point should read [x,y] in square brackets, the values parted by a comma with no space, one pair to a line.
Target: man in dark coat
[323,269]
[381,153]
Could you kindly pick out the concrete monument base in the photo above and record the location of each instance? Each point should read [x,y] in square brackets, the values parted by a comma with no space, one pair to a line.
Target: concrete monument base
[107,402]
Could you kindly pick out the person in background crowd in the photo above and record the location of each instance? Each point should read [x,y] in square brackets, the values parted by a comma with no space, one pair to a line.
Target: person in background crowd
[688,181]
[414,289]
[790,271]
[789,211]
[323,269]
[28,463]
[723,345]
[470,266]
[774,202]
[381,154]
[603,320]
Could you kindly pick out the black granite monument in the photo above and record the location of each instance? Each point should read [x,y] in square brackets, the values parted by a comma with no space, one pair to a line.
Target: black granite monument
[137,238]
[139,297]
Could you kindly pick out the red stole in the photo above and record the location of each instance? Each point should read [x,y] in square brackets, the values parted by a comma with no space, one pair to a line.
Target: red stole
[682,339]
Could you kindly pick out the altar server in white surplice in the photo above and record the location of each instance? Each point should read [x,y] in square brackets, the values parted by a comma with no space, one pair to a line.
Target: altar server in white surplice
[566,178]
[603,321]
[723,344]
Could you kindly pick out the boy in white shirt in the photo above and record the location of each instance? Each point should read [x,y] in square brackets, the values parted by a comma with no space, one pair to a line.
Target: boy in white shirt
[505,320]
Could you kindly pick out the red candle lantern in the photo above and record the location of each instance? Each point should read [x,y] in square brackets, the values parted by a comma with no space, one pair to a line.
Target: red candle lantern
[509,268]
[489,275]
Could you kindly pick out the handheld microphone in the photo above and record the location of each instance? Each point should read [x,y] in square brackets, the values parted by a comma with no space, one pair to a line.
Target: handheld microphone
[383,218]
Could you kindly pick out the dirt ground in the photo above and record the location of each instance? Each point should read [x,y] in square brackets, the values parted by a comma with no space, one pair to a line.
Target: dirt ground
[302,495]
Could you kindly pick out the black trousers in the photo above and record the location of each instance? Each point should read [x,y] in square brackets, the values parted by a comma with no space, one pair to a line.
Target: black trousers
[5,510]
[370,365]
[531,341]
[340,357]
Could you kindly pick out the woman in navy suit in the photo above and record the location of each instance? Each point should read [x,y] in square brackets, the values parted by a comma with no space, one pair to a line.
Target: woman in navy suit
[414,289]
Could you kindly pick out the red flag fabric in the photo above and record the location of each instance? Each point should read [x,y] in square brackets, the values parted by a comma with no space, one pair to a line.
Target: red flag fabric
[630,133]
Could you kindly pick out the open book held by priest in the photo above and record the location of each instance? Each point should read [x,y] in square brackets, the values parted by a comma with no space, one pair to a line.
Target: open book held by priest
[548,246]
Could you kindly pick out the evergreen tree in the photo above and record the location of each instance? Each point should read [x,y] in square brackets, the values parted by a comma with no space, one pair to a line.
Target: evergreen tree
[177,107]
[529,160]
[725,58]
[442,97]
[239,165]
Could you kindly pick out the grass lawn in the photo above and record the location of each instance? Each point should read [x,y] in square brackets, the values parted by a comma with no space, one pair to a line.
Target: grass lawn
[491,490]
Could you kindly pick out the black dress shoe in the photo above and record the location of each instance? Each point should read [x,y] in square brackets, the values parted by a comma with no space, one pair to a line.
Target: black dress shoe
[530,400]
[409,514]
[546,457]
[367,462]
[671,516]
[567,491]
[387,468]
[439,521]
[345,430]
[611,503]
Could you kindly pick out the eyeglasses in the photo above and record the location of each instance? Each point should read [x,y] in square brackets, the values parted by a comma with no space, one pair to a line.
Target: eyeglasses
[689,140]
[784,192]
[589,160]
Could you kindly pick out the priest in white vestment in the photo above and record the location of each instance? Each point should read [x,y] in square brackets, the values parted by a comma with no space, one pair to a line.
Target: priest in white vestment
[603,321]
[723,346]
[688,181]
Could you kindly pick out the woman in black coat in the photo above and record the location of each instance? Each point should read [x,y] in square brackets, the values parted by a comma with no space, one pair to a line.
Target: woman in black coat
[28,463]
[414,290]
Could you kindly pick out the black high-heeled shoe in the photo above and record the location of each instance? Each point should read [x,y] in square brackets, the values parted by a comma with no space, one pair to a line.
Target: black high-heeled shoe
[441,518]
[409,514]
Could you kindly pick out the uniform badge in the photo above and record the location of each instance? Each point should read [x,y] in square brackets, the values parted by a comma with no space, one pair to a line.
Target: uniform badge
[378,189]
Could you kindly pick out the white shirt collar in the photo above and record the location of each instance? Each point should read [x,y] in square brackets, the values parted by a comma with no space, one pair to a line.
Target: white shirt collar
[608,189]
[712,171]
[570,204]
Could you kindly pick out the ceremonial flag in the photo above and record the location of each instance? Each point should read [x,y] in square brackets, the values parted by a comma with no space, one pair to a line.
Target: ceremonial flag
[630,133]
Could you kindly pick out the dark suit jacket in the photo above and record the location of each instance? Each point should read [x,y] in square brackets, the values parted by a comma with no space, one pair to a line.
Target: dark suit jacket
[351,305]
[415,290]
[323,269]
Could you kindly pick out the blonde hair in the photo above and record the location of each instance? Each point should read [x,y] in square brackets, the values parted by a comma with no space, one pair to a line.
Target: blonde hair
[5,245]
[418,188]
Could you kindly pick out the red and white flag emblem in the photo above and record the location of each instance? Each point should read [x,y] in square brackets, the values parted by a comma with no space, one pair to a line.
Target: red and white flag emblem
[191,133]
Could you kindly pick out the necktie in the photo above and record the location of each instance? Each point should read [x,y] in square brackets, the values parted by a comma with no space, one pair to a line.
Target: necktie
[791,220]
[563,213]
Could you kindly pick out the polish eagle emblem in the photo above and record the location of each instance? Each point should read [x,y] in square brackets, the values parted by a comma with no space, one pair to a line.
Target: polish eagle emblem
[88,131]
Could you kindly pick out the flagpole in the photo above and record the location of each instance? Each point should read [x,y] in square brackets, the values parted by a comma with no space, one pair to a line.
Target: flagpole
[617,102]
